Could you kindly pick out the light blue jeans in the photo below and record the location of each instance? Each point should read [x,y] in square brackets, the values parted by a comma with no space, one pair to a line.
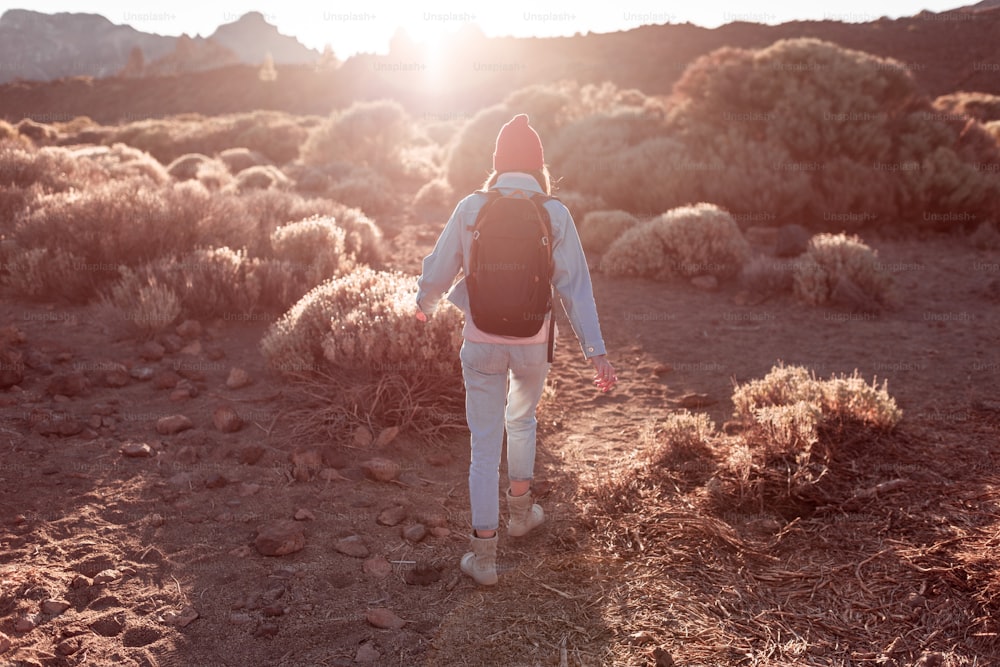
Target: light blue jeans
[503,384]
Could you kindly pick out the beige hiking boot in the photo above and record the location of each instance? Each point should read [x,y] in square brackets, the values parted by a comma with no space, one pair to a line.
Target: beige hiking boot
[524,514]
[481,562]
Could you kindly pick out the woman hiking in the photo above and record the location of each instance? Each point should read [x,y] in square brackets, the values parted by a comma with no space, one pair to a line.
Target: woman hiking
[504,375]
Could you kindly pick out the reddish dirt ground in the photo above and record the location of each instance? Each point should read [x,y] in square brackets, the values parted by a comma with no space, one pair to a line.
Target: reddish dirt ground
[130,543]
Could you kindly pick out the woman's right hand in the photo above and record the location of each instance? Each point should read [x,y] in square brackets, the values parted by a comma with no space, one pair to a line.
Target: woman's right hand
[604,376]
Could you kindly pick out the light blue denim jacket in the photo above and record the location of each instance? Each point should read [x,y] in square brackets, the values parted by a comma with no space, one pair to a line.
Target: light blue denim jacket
[571,276]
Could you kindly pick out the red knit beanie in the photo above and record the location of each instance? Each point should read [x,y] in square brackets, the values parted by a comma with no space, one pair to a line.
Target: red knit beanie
[518,147]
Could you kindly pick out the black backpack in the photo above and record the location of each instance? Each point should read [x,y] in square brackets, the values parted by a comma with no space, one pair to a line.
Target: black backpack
[510,266]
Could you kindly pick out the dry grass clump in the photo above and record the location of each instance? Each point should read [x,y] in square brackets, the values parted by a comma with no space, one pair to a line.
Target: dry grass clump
[140,306]
[121,161]
[260,177]
[599,229]
[366,189]
[434,197]
[842,269]
[688,241]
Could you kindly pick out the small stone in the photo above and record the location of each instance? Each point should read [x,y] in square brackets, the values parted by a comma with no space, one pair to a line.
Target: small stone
[240,618]
[662,369]
[352,546]
[192,349]
[392,516]
[367,654]
[189,329]
[5,643]
[386,436]
[251,454]
[248,489]
[115,376]
[106,577]
[178,395]
[142,373]
[384,618]
[172,342]
[706,283]
[136,450]
[304,515]
[362,437]
[80,581]
[693,401]
[266,630]
[69,646]
[54,607]
[238,378]
[382,470]
[103,409]
[440,531]
[166,380]
[241,551]
[216,481]
[182,618]
[226,419]
[152,351]
[274,610]
[25,624]
[415,533]
[377,567]
[173,424]
[280,538]
[94,421]
[67,384]
[930,659]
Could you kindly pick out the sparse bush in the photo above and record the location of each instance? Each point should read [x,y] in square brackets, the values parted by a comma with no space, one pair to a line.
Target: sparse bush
[40,133]
[186,167]
[682,444]
[470,155]
[579,204]
[364,189]
[139,305]
[261,177]
[238,159]
[48,273]
[363,323]
[434,197]
[369,134]
[316,245]
[839,263]
[121,161]
[52,169]
[684,242]
[984,107]
[599,229]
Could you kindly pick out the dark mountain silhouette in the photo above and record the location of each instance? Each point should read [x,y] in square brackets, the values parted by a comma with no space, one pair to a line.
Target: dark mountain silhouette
[37,46]
[251,38]
[41,46]
[946,52]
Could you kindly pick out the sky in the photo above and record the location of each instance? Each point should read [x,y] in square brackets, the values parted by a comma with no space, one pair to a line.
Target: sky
[367,26]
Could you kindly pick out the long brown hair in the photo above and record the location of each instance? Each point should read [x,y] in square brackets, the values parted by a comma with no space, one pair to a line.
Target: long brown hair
[541,176]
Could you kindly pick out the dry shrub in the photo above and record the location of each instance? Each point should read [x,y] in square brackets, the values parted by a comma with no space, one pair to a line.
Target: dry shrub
[365,189]
[993,129]
[434,197]
[794,423]
[315,245]
[186,167]
[48,274]
[984,107]
[840,264]
[120,161]
[139,305]
[361,327]
[276,135]
[52,169]
[40,133]
[370,134]
[688,241]
[599,229]
[7,131]
[260,177]
[119,222]
[470,155]
[238,159]
[580,204]
[810,131]
[364,320]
